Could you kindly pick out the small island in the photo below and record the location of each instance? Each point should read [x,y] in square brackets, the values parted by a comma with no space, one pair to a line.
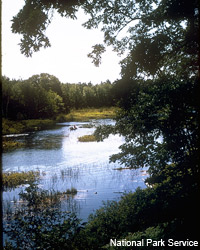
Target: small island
[87,138]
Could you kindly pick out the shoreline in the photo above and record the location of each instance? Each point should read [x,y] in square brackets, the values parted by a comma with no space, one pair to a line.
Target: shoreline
[10,127]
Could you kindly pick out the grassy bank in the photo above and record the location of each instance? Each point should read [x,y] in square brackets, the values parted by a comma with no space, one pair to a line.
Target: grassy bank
[17,127]
[24,126]
[91,113]
[10,144]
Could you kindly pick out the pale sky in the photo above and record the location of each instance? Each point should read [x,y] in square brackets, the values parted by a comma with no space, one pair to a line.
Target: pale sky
[66,58]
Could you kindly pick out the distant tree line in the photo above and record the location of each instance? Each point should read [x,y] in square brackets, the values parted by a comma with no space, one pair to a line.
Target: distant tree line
[159,115]
[44,96]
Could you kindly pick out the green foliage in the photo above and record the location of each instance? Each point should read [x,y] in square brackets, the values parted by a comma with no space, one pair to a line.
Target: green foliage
[159,117]
[10,145]
[154,32]
[159,109]
[33,19]
[168,111]
[37,124]
[43,96]
[152,212]
[37,97]
[153,233]
[87,95]
[86,114]
[98,49]
[17,127]
[61,118]
[39,224]
[10,127]
[13,179]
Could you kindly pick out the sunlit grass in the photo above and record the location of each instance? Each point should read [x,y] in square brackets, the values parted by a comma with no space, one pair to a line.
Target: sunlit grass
[13,179]
[87,138]
[91,113]
[17,127]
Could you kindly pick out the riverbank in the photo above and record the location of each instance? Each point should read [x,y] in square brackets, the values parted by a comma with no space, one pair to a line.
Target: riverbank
[22,126]
[17,127]
[84,115]
[10,127]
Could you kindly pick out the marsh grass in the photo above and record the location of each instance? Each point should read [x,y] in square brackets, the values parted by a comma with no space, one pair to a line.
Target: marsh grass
[70,173]
[51,197]
[89,125]
[87,138]
[39,223]
[72,191]
[91,113]
[13,179]
[55,197]
[8,145]
[17,127]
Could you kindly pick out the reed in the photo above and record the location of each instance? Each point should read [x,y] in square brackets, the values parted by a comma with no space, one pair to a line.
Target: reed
[71,191]
[13,179]
[8,145]
[87,138]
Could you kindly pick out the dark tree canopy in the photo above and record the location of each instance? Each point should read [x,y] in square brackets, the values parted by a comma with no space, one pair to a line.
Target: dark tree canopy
[157,33]
[159,99]
[34,18]
[159,74]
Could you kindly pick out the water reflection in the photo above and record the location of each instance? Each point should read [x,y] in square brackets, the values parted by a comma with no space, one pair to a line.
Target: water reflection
[64,162]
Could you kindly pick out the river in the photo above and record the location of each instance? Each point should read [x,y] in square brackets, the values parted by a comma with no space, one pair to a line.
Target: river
[64,162]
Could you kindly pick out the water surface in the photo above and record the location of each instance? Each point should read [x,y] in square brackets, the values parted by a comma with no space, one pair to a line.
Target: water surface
[64,162]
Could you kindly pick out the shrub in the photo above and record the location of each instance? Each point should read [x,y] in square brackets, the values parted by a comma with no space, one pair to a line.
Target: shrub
[17,127]
[61,118]
[153,233]
[71,191]
[40,225]
[11,127]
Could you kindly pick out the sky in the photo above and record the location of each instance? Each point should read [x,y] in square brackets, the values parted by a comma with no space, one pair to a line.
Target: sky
[66,58]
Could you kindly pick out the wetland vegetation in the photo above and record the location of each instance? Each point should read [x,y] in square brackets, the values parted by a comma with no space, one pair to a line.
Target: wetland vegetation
[92,113]
[12,127]
[9,144]
[23,126]
[87,138]
[158,121]
[13,179]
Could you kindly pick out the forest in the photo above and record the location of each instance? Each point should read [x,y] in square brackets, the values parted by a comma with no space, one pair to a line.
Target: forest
[44,96]
[158,98]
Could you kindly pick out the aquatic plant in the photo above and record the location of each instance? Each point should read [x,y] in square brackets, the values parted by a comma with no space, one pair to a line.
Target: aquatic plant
[13,179]
[71,191]
[17,127]
[87,138]
[10,145]
[40,224]
[70,173]
[88,125]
